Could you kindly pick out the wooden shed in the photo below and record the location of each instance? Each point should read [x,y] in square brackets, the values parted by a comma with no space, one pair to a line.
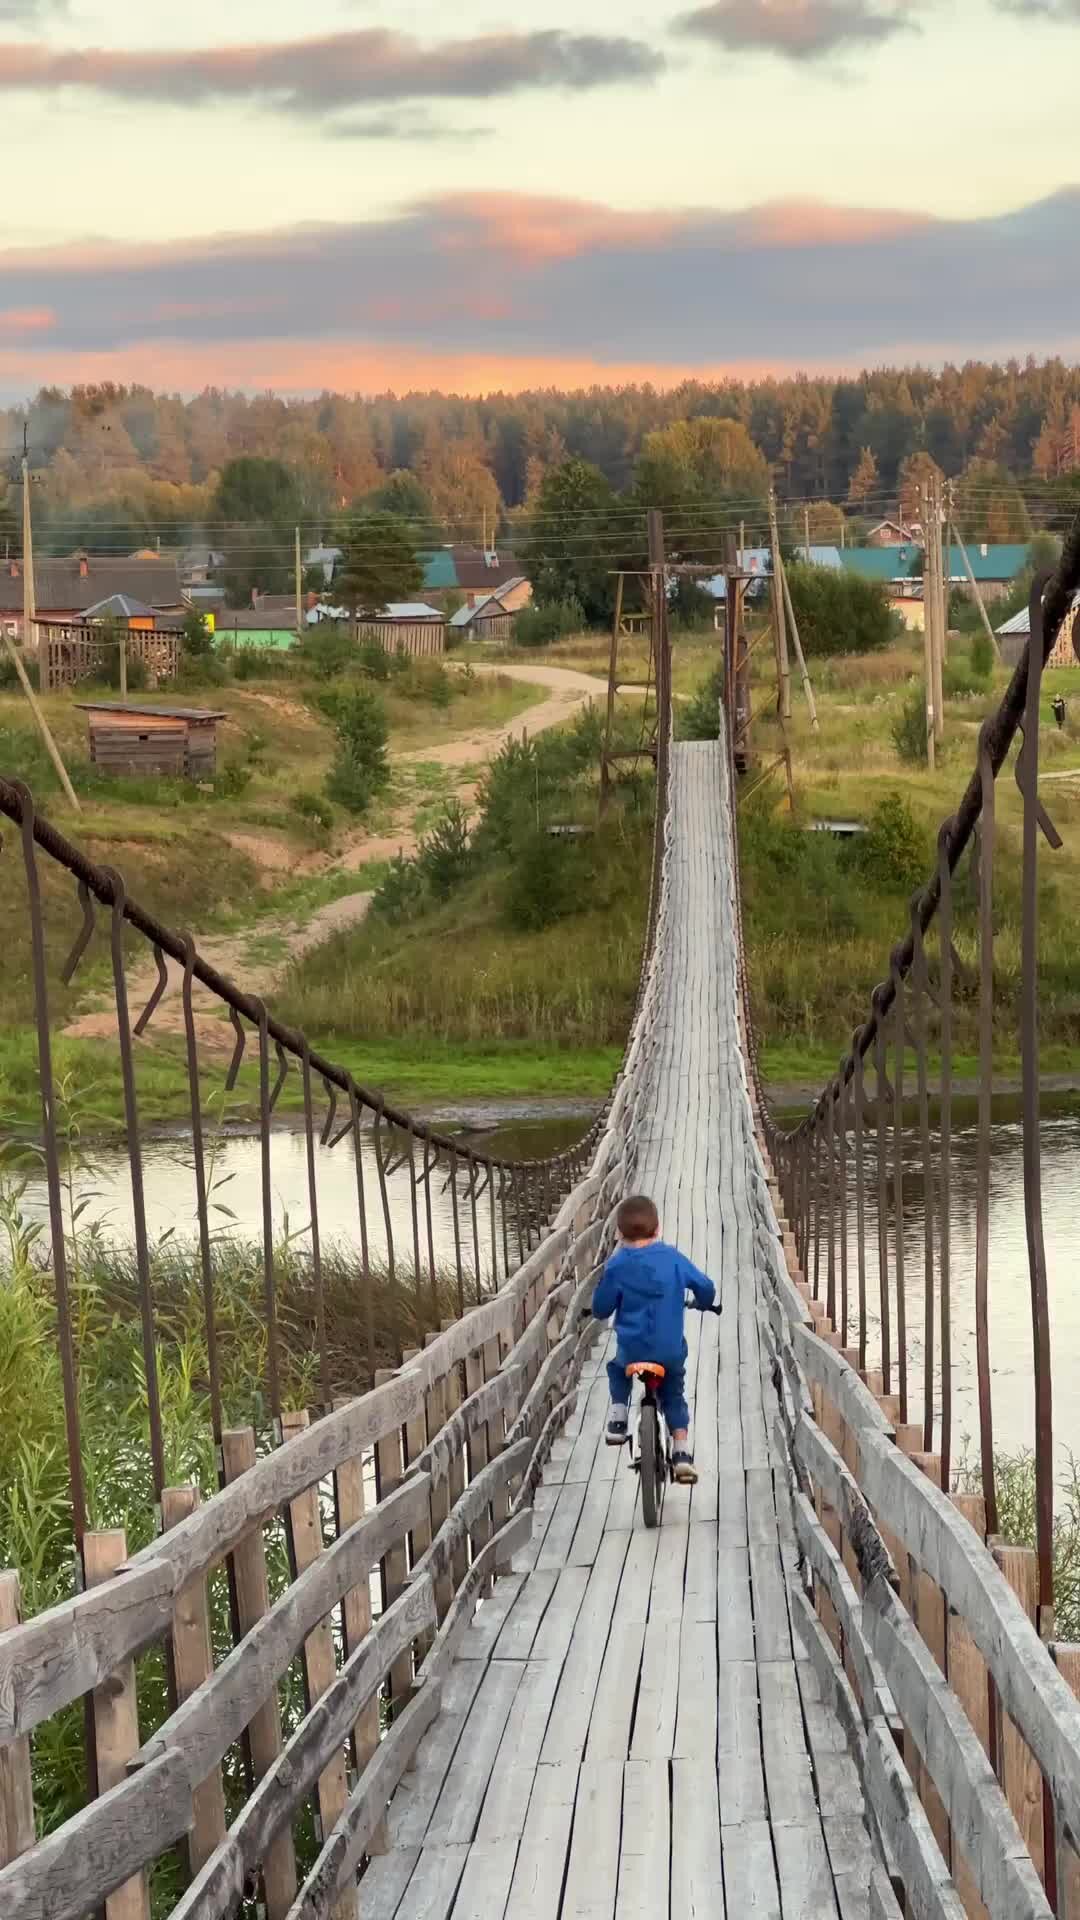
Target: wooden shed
[181,741]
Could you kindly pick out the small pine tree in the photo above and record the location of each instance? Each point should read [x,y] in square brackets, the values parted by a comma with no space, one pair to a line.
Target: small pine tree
[864,479]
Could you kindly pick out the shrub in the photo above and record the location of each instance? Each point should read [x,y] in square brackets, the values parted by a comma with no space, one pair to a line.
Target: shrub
[539,626]
[109,676]
[838,612]
[909,729]
[699,719]
[895,851]
[9,678]
[360,768]
[256,663]
[402,893]
[326,652]
[374,660]
[540,887]
[444,855]
[233,780]
[311,806]
[197,640]
[959,680]
[429,682]
[983,657]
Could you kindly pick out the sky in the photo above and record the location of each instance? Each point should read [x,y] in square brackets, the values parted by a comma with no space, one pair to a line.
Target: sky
[350,196]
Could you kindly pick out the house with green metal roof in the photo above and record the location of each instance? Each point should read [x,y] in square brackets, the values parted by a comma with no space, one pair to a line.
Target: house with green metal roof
[440,573]
[994,567]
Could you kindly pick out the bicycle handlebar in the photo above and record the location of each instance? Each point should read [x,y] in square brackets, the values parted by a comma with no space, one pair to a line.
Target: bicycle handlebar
[690,1301]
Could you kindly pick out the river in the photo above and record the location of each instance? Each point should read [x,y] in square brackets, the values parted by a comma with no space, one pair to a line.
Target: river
[527,1129]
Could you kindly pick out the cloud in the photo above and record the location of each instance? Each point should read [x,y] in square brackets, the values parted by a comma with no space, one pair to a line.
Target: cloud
[1063,13]
[415,126]
[336,71]
[29,12]
[795,29]
[483,284]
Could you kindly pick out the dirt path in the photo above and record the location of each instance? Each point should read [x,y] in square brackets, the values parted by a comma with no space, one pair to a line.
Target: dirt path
[257,958]
[569,692]
[260,956]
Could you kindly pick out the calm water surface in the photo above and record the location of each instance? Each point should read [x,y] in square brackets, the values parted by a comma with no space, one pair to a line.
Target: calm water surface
[522,1130]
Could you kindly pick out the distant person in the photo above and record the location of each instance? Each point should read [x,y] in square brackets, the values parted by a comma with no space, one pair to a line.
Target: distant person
[644,1285]
[1057,708]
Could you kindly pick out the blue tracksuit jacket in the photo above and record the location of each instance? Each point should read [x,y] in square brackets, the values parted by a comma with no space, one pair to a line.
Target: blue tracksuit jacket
[644,1288]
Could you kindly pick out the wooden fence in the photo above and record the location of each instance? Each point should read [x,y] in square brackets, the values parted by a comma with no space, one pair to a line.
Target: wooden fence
[963,1724]
[424,1484]
[70,654]
[424,639]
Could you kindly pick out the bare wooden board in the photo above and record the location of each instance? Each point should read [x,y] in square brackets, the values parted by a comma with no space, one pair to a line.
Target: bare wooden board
[697,1866]
[645,1855]
[750,1872]
[510,1786]
[593,1875]
[536,1891]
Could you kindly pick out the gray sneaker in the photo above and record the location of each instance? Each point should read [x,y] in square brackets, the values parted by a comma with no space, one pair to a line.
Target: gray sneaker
[618,1427]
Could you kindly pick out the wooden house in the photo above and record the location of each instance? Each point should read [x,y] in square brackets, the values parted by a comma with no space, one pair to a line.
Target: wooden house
[181,741]
[405,627]
[489,620]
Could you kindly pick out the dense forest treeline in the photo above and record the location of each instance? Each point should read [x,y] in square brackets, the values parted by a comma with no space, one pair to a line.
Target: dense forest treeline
[115,464]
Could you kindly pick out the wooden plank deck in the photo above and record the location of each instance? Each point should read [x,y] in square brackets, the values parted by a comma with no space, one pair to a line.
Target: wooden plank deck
[629,1734]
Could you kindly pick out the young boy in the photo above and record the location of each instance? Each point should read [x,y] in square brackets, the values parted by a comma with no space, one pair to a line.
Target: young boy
[643,1285]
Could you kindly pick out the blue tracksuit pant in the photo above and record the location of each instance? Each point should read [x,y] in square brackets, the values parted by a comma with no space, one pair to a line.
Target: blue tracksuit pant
[671,1395]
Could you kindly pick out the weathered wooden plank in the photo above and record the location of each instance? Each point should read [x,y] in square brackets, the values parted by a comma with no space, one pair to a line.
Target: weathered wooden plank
[432,1888]
[516,1638]
[556,1629]
[772,1625]
[905,1829]
[750,1871]
[495,1557]
[593,1874]
[506,1801]
[339,1861]
[734,1609]
[985,1828]
[742,1780]
[264,1727]
[17,1825]
[645,1857]
[286,1784]
[206,1725]
[697,1870]
[59,1656]
[485,1883]
[491,1617]
[305,1516]
[695,1727]
[457,1813]
[482,1407]
[536,1891]
[418,1794]
[383,1885]
[947,1549]
[356,1611]
[116,1721]
[807,1887]
[102,1848]
[569,1726]
[788,1776]
[193,1666]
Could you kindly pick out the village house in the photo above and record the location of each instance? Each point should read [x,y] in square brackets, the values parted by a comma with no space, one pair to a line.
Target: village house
[405,627]
[1013,636]
[66,590]
[895,533]
[490,620]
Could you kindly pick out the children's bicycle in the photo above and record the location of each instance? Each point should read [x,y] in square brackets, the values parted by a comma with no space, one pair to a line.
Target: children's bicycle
[650,1454]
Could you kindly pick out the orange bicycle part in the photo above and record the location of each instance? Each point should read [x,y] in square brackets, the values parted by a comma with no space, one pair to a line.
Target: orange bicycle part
[644,1368]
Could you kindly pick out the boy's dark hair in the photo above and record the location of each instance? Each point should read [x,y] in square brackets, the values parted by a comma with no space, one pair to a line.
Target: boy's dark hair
[638,1218]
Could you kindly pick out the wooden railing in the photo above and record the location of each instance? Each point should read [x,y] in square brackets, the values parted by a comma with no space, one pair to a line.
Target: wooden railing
[69,654]
[427,1483]
[963,1723]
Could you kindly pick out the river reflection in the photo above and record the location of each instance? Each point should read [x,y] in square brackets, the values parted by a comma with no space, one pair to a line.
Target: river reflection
[521,1131]
[234,1175]
[1009,1286]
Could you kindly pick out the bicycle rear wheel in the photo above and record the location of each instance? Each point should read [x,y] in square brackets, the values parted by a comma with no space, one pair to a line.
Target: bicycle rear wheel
[653,1466]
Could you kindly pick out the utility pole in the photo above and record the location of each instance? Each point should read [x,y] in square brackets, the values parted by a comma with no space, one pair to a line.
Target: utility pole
[940,616]
[661,646]
[928,630]
[783,666]
[799,654]
[29,603]
[299,590]
[16,654]
[954,540]
[806,532]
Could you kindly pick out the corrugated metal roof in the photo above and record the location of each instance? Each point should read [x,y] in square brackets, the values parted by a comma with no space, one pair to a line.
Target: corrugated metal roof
[1021,622]
[490,604]
[123,606]
[409,610]
[60,586]
[440,573]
